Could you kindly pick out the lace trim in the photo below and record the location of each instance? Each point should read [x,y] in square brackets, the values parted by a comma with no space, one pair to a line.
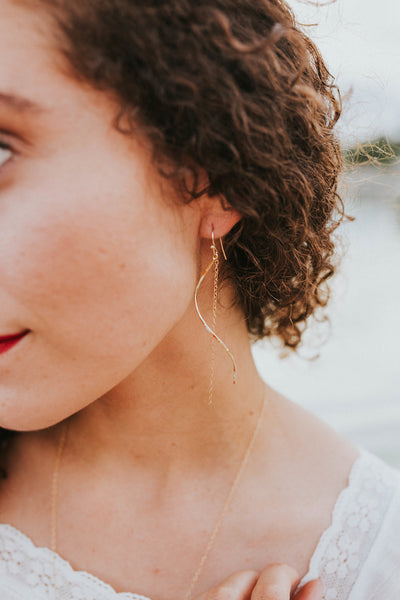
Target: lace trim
[337,559]
[356,520]
[41,571]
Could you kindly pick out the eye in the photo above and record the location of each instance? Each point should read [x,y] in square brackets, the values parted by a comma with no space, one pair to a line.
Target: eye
[5,153]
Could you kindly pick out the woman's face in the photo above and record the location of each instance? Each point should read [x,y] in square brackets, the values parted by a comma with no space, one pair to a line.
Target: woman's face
[91,252]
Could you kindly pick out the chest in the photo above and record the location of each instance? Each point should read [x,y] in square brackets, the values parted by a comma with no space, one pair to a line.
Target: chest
[152,544]
[157,553]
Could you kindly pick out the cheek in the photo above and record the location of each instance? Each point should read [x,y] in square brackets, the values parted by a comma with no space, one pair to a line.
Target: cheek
[97,287]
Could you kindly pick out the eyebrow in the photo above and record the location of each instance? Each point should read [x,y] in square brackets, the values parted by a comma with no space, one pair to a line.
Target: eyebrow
[21,104]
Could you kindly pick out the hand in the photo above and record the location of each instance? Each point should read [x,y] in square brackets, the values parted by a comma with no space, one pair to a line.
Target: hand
[275,582]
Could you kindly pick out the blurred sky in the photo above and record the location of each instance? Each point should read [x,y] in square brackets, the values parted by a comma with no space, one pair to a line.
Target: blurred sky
[360,41]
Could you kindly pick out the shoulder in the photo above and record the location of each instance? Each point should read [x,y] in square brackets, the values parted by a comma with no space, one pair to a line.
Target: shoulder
[317,453]
[358,557]
[379,576]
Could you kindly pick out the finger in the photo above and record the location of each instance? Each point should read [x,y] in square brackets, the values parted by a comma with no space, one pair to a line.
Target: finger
[237,586]
[276,582]
[312,590]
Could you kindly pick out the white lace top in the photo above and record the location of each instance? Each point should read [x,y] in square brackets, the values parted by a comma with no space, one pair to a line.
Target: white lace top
[357,557]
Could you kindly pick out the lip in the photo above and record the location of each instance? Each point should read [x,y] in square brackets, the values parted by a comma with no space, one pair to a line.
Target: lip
[12,336]
[9,341]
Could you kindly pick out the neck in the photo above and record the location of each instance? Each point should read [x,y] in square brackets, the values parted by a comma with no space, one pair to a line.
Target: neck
[159,418]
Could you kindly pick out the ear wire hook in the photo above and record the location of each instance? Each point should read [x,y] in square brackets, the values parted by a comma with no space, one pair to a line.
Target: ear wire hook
[218,339]
[222,245]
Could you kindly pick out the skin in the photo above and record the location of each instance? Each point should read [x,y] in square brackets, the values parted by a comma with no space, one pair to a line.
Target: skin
[100,262]
[275,581]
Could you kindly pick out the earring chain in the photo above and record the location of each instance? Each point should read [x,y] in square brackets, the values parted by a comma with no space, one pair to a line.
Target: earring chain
[214,319]
[218,339]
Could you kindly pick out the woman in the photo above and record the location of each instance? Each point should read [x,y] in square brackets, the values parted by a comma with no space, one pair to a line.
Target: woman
[141,143]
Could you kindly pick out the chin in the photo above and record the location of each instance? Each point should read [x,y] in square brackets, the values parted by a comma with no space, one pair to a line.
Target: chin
[28,421]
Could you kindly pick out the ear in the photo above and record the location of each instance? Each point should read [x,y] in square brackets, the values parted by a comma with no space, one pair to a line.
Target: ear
[217,218]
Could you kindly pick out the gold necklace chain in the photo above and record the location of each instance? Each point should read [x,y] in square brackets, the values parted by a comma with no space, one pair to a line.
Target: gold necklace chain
[227,502]
[214,533]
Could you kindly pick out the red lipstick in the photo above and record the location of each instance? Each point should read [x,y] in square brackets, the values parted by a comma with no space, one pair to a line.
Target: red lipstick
[9,341]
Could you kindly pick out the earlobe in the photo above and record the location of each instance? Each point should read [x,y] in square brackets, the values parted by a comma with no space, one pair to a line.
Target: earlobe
[218,220]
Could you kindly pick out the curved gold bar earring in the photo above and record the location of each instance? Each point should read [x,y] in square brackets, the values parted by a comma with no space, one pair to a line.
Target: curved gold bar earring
[214,262]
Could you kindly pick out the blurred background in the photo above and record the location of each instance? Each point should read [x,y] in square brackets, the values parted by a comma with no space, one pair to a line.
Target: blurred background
[354,384]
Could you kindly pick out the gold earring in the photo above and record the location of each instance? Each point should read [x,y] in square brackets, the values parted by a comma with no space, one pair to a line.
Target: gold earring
[214,261]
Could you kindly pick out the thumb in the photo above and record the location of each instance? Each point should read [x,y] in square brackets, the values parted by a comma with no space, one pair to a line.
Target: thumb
[237,586]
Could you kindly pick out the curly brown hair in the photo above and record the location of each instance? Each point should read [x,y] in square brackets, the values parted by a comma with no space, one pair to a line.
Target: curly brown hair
[235,89]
